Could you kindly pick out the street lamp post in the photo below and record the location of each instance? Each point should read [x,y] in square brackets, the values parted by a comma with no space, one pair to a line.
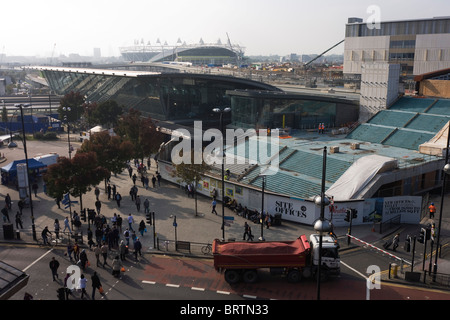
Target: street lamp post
[221,112]
[67,110]
[321,225]
[446,171]
[33,227]
[261,238]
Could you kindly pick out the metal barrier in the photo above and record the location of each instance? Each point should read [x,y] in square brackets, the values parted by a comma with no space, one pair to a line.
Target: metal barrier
[379,249]
[194,248]
[438,278]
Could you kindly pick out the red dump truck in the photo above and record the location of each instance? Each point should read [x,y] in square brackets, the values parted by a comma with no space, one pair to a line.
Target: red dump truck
[295,259]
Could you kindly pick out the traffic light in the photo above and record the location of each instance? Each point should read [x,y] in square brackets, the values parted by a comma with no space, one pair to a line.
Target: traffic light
[83,214]
[354,213]
[348,215]
[148,216]
[421,238]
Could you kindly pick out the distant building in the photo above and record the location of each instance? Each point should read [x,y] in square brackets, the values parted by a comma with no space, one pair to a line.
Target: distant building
[418,46]
[97,53]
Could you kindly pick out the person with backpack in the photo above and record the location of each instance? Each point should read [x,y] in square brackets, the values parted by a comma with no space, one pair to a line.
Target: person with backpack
[118,198]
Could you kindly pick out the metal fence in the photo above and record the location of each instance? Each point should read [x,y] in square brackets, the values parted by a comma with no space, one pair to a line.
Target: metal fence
[184,247]
[437,278]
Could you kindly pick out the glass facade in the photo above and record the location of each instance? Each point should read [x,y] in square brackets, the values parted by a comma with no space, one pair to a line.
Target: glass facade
[411,27]
[181,98]
[262,110]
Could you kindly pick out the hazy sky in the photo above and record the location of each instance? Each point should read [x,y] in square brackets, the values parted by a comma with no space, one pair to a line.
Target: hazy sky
[31,27]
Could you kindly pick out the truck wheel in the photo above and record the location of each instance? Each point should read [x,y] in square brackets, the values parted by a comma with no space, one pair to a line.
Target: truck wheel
[293,276]
[250,276]
[232,276]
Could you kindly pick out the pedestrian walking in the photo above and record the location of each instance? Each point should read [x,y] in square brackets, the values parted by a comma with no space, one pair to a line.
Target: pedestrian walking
[109,191]
[20,204]
[138,203]
[97,253]
[395,241]
[54,265]
[104,250]
[130,220]
[98,206]
[153,181]
[82,285]
[146,206]
[132,193]
[97,193]
[114,191]
[134,178]
[67,225]
[96,284]
[250,235]
[246,226]
[67,290]
[123,250]
[19,220]
[119,222]
[432,210]
[213,204]
[57,228]
[83,259]
[137,248]
[118,198]
[116,266]
[69,251]
[76,251]
[5,213]
[8,201]
[158,177]
[142,228]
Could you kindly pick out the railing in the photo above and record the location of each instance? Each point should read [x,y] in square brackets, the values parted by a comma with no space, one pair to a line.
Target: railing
[438,278]
[386,225]
[185,247]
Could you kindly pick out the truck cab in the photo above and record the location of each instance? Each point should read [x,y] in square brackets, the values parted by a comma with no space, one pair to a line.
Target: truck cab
[330,254]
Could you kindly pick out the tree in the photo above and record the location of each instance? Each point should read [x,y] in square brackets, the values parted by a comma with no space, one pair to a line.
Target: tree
[141,132]
[107,113]
[73,101]
[112,151]
[75,176]
[191,173]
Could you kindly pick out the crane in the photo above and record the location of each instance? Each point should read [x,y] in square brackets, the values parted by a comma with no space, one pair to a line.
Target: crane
[309,62]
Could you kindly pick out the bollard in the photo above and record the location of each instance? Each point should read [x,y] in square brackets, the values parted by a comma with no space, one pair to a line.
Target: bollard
[394,270]
[17,234]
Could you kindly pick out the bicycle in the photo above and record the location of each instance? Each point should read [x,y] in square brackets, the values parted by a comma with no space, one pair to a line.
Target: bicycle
[50,240]
[207,249]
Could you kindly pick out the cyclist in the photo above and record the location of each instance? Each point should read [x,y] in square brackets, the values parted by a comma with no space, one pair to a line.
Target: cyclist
[44,235]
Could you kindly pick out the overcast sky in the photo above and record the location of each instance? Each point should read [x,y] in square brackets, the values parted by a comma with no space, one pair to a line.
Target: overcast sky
[30,27]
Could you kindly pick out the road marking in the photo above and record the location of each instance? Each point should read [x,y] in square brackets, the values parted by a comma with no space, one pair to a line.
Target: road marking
[222,292]
[172,285]
[248,296]
[354,270]
[29,266]
[148,282]
[198,289]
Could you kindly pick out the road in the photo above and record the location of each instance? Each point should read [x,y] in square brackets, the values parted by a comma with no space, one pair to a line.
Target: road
[161,277]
